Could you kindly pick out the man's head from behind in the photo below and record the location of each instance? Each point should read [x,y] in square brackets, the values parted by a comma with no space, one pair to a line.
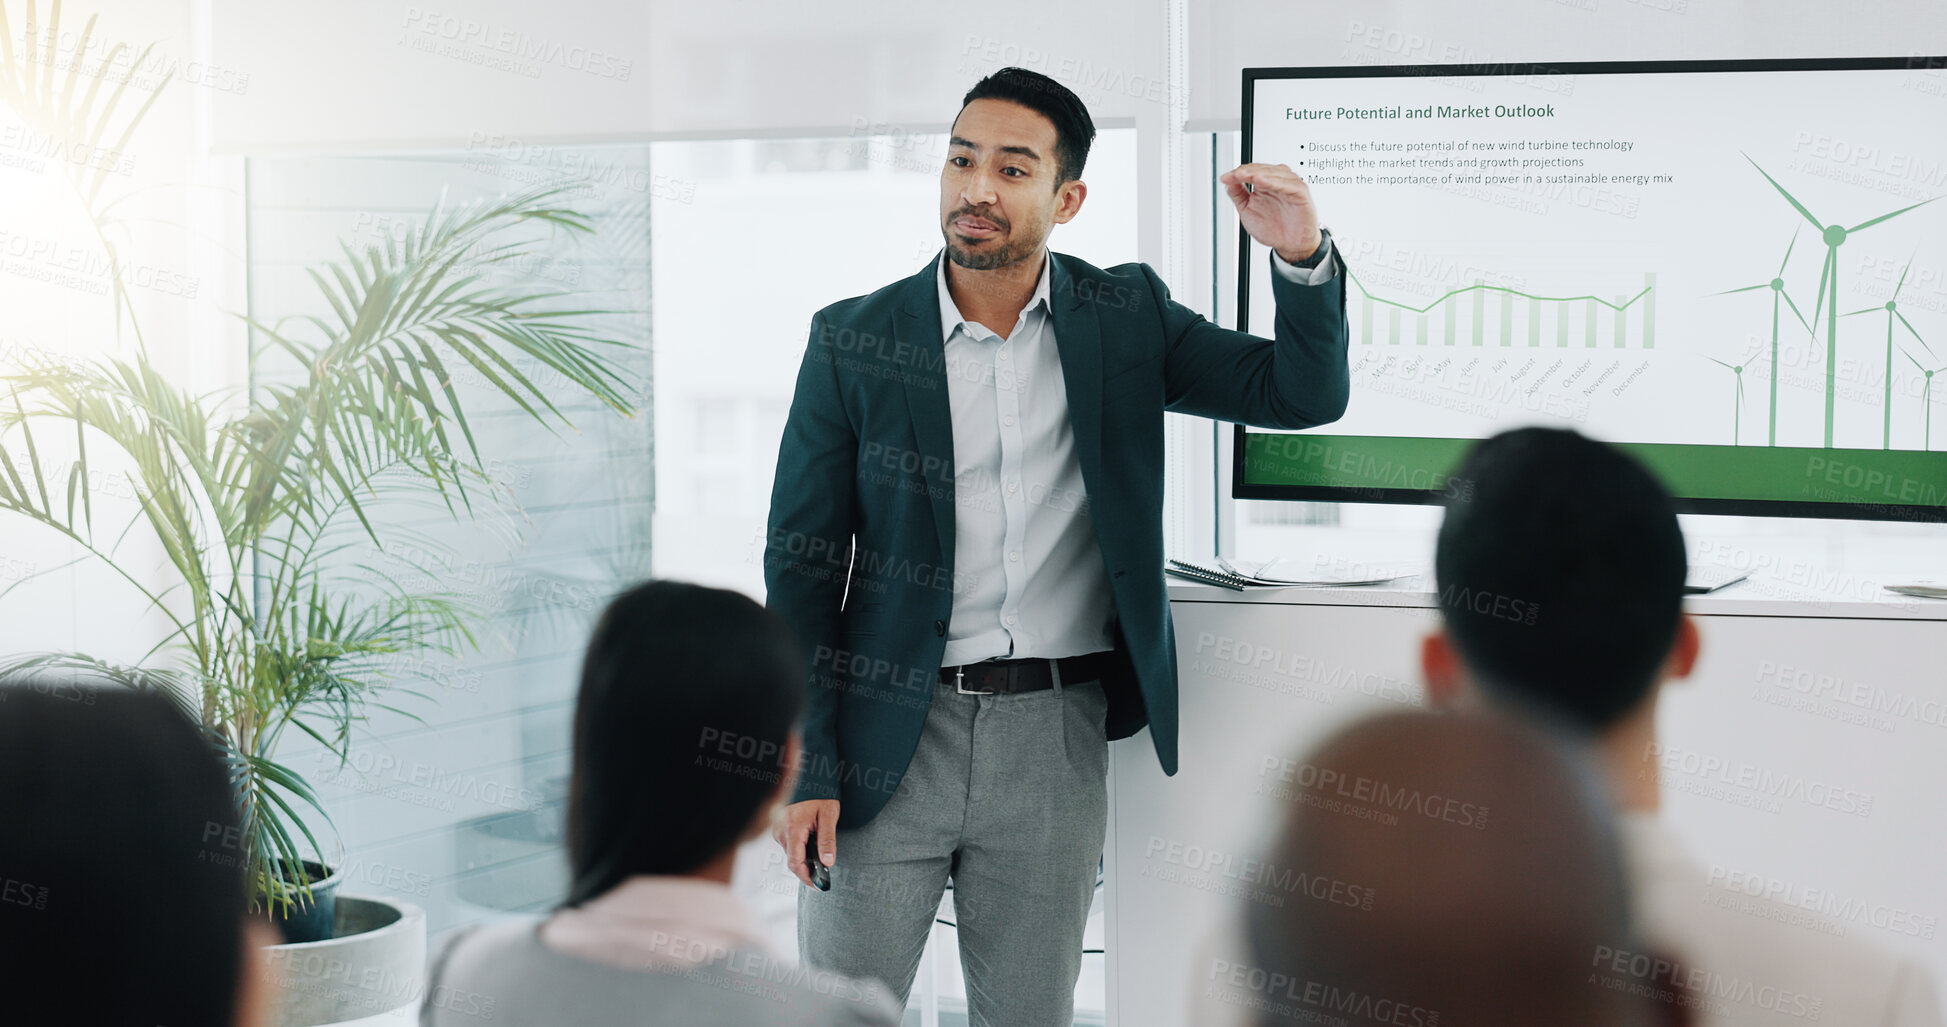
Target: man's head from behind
[1560,579]
[685,733]
[1488,898]
[1013,168]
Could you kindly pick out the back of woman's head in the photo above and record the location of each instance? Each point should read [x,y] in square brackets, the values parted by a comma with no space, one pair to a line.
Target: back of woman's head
[122,896]
[689,696]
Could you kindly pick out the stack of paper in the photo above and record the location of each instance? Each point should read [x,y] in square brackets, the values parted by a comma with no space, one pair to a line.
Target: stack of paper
[1282,572]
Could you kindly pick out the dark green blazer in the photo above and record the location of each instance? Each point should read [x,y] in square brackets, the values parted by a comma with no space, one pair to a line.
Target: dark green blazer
[858,555]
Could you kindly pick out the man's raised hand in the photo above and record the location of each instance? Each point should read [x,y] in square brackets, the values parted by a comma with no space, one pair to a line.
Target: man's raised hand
[1277,208]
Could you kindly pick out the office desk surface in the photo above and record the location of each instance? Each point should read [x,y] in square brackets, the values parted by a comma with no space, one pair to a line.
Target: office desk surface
[1759,596]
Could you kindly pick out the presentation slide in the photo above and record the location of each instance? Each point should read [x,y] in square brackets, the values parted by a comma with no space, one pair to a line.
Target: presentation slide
[1737,270]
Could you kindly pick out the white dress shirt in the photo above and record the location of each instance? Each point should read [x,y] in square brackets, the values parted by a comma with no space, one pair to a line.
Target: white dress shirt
[1748,959]
[1028,576]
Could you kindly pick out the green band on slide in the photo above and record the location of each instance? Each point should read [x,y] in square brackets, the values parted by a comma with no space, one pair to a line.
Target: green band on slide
[1903,478]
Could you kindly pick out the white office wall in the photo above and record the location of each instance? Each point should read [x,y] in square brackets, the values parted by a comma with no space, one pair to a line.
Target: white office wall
[384,74]
[380,73]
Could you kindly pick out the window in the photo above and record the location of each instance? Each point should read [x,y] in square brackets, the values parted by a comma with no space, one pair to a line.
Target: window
[462,813]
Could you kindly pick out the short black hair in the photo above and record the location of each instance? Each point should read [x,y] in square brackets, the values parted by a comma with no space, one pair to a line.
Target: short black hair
[123,895]
[688,697]
[1560,568]
[1074,129]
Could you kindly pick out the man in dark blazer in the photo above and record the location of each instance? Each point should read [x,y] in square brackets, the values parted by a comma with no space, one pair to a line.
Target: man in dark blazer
[966,533]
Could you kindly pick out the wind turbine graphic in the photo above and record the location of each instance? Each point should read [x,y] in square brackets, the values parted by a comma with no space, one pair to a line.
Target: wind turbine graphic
[1892,308]
[1777,287]
[1926,395]
[1737,415]
[1834,236]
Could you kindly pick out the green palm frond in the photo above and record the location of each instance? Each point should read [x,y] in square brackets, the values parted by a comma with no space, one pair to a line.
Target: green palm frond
[380,388]
[272,626]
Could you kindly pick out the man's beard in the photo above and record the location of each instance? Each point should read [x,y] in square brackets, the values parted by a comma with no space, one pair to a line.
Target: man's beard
[1001,256]
[980,261]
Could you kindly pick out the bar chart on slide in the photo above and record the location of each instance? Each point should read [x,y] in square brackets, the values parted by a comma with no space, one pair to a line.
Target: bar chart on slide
[1619,312]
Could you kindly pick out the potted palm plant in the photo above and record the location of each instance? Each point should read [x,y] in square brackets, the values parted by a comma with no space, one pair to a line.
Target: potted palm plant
[255,502]
[268,636]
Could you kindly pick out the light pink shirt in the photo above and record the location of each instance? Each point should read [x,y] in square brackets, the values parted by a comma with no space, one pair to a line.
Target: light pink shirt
[656,921]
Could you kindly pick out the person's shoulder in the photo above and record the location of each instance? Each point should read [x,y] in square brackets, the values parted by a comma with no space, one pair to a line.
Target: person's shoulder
[472,966]
[480,951]
[1803,958]
[477,940]
[503,969]
[1122,287]
[1842,977]
[1081,270]
[803,995]
[878,303]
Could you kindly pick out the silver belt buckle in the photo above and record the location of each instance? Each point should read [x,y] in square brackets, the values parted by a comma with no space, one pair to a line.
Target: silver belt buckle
[960,682]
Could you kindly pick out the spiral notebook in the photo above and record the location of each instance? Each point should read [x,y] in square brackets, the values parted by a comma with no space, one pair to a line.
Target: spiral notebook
[1207,575]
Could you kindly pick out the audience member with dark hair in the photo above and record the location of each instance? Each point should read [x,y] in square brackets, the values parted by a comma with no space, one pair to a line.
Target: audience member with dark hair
[685,741]
[1561,590]
[1504,905]
[1561,579]
[122,900]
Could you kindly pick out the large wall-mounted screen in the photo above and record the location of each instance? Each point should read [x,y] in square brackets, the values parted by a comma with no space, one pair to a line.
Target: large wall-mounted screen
[1736,270]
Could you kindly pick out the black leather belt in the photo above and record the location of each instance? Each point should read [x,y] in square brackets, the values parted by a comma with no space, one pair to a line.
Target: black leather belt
[1011,676]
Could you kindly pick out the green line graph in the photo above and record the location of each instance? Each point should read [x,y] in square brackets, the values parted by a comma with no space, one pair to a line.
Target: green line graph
[1493,318]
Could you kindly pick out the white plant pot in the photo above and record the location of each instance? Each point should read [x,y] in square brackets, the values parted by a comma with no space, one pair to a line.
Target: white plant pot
[375,963]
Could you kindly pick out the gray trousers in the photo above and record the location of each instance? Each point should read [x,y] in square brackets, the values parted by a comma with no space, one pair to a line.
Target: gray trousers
[1008,796]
